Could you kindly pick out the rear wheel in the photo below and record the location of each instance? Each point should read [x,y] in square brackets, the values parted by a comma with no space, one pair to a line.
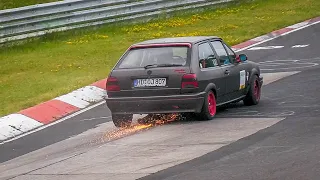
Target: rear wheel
[122,120]
[209,108]
[253,96]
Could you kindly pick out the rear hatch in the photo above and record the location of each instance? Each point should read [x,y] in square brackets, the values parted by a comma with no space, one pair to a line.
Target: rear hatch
[152,70]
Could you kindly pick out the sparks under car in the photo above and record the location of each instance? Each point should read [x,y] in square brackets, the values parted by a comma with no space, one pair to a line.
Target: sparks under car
[180,75]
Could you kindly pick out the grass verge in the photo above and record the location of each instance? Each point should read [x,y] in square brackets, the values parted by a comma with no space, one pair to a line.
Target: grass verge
[49,66]
[8,4]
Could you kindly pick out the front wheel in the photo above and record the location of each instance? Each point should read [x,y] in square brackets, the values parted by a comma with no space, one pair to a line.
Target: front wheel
[209,108]
[254,93]
[122,120]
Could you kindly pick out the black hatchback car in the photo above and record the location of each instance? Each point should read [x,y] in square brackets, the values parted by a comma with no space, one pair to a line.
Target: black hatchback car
[180,75]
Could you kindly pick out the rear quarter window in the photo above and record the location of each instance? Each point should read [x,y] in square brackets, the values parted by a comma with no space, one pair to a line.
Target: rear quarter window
[137,58]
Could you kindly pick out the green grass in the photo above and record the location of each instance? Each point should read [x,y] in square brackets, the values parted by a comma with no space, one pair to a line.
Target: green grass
[8,4]
[46,67]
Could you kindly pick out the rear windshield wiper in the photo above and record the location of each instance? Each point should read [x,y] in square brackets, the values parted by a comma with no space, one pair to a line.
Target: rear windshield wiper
[161,65]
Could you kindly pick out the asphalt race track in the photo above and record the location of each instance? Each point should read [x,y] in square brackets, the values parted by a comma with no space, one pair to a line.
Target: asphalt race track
[278,139]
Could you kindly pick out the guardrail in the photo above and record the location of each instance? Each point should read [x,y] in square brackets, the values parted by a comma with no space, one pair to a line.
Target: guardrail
[37,20]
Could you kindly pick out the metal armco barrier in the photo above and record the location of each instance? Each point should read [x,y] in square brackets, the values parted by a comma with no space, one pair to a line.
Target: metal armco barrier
[37,20]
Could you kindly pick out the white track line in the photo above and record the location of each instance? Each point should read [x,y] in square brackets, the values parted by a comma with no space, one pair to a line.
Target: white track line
[265,48]
[258,43]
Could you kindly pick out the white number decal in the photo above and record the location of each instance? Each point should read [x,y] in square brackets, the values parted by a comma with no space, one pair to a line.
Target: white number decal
[242,79]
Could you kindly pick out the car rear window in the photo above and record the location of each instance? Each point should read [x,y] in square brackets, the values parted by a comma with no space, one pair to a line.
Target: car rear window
[137,58]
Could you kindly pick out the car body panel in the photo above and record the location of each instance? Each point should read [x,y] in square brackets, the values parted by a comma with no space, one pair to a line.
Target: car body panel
[232,79]
[213,76]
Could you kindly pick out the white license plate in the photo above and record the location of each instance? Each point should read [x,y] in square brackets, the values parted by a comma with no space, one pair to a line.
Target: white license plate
[154,82]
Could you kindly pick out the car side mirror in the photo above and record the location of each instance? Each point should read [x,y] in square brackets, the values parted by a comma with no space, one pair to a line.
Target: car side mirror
[243,57]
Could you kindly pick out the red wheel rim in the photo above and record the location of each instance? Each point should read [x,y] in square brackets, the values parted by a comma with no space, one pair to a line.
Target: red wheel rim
[257,90]
[211,104]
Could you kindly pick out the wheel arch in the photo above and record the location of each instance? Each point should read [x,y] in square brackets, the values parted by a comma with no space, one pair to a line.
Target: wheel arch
[254,72]
[212,87]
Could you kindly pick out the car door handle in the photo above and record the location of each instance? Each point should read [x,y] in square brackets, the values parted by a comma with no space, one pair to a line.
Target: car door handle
[227,72]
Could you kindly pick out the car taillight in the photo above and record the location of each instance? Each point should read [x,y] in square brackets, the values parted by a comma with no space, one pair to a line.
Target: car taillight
[113,84]
[189,81]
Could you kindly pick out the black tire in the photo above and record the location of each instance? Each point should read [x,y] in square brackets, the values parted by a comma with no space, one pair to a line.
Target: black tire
[188,116]
[254,93]
[209,108]
[122,120]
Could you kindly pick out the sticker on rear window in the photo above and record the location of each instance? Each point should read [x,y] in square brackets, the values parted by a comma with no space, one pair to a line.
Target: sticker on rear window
[242,79]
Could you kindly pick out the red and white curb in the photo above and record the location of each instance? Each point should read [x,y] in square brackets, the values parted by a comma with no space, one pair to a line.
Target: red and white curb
[51,111]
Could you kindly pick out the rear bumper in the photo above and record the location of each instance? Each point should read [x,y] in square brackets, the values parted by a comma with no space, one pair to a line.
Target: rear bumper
[156,104]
